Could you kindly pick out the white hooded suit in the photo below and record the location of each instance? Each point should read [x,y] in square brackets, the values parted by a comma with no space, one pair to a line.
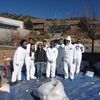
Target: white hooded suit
[30,67]
[52,54]
[69,56]
[45,48]
[18,62]
[79,50]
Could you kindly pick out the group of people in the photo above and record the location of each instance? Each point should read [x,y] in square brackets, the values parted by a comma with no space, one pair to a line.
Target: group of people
[41,58]
[69,57]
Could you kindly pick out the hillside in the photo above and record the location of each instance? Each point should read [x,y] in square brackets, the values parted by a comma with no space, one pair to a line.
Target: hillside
[17,17]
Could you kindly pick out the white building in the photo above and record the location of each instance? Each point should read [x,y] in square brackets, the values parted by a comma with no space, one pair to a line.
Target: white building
[6,22]
[9,26]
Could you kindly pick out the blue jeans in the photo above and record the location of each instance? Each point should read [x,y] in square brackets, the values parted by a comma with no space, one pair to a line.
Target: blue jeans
[39,69]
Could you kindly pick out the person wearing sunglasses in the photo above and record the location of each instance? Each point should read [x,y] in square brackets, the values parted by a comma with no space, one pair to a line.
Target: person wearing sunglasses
[69,59]
[79,50]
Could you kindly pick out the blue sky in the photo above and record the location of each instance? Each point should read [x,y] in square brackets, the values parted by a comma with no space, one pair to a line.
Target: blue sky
[46,8]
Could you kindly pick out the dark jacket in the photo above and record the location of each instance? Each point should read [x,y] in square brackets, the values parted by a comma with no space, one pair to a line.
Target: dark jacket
[40,56]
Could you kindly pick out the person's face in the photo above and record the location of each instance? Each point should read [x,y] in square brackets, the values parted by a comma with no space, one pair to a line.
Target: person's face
[78,41]
[60,41]
[25,43]
[68,41]
[52,44]
[31,41]
[40,46]
[32,47]
[44,43]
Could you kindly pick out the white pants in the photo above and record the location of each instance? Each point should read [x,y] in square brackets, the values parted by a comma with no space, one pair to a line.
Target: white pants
[16,74]
[69,67]
[78,63]
[30,69]
[51,68]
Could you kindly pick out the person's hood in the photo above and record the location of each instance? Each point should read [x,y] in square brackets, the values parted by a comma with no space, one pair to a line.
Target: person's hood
[68,38]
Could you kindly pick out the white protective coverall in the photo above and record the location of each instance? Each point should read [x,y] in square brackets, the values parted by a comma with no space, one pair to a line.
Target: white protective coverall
[52,54]
[45,48]
[45,65]
[30,67]
[60,64]
[18,62]
[79,50]
[69,56]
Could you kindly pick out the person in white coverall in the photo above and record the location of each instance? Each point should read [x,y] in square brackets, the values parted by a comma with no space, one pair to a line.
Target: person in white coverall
[18,60]
[31,40]
[69,59]
[52,54]
[79,50]
[60,64]
[29,61]
[45,46]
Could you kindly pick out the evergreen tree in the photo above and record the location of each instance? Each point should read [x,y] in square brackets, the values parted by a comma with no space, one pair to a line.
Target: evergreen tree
[28,24]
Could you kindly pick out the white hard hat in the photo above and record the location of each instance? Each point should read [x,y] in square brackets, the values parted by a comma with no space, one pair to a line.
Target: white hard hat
[68,38]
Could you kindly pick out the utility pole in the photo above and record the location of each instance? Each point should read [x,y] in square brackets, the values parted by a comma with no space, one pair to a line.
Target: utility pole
[67,18]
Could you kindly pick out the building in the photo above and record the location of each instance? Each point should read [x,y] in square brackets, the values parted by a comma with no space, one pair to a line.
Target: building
[11,24]
[40,25]
[9,28]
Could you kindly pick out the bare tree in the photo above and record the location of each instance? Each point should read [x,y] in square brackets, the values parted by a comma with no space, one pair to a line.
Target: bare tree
[91,24]
[12,36]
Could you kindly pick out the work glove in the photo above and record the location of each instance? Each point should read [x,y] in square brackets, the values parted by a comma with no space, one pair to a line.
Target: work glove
[74,61]
[51,61]
[32,58]
[17,64]
[81,48]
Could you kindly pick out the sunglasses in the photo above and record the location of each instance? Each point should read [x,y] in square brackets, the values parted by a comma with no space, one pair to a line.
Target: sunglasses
[68,40]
